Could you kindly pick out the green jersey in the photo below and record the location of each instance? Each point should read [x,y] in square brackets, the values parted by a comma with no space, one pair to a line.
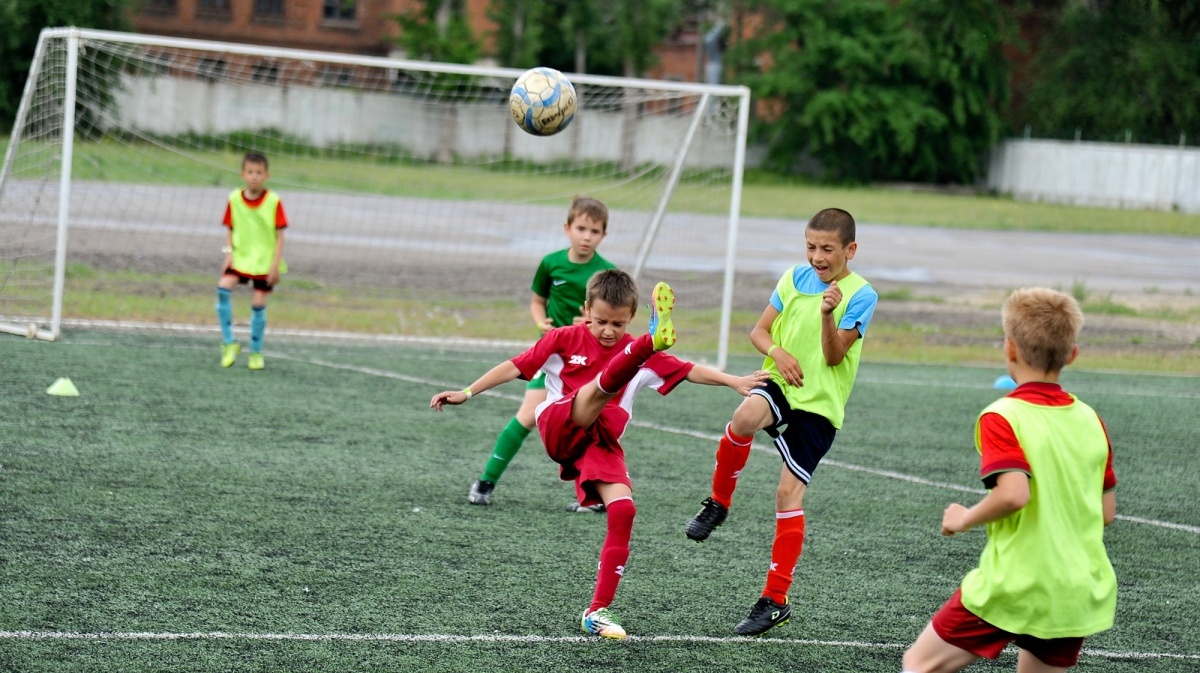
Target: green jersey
[563,283]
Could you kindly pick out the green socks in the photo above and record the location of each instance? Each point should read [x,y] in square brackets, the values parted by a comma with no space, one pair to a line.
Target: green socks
[507,445]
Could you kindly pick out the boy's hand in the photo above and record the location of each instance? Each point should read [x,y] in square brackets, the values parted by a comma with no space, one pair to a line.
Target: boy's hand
[273,276]
[953,519]
[788,367]
[831,298]
[452,397]
[747,383]
[545,325]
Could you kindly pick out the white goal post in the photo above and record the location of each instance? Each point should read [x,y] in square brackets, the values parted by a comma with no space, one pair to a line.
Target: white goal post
[417,208]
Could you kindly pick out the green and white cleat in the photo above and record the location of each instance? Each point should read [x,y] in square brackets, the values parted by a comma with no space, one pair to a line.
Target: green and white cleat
[661,326]
[229,353]
[256,361]
[602,623]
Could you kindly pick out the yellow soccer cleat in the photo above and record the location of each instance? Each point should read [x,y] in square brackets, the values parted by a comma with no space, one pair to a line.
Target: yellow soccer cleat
[256,361]
[660,317]
[229,353]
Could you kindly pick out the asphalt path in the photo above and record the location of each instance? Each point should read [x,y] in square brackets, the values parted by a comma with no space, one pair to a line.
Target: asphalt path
[390,231]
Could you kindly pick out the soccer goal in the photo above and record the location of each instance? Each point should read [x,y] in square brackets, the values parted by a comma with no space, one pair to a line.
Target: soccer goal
[417,208]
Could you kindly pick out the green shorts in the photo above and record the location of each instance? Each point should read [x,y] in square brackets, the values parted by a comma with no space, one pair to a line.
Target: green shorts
[538,382]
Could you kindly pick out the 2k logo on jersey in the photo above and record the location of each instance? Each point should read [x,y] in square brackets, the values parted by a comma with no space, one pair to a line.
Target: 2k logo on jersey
[580,360]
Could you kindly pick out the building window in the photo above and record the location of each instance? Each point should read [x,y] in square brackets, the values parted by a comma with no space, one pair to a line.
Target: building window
[163,7]
[268,9]
[211,69]
[265,72]
[339,10]
[213,9]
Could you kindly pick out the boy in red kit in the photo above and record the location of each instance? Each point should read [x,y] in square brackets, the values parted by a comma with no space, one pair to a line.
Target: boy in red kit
[593,370]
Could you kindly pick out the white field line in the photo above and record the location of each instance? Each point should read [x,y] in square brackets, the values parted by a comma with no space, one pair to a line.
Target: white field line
[499,638]
[1195,530]
[503,638]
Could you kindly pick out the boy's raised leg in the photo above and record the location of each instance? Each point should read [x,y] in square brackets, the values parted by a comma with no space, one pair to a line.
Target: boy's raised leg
[621,369]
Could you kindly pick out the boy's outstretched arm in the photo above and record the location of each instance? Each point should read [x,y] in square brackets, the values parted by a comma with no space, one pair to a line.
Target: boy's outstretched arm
[713,377]
[502,373]
[1010,494]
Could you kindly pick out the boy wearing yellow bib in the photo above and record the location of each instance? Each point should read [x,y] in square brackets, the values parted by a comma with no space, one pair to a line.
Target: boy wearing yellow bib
[1044,581]
[811,334]
[254,223]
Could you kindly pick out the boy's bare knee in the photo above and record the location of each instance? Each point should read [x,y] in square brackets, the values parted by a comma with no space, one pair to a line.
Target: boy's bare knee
[752,415]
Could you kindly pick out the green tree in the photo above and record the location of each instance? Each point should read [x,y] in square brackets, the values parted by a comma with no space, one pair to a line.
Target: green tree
[438,31]
[23,21]
[1114,66]
[606,37]
[874,89]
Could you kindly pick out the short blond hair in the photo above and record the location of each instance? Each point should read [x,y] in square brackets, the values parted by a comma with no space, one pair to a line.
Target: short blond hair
[1044,325]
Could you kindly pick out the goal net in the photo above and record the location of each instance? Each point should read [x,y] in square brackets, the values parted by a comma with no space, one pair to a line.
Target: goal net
[417,208]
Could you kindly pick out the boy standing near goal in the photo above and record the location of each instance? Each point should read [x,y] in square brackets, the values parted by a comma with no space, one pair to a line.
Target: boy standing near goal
[254,223]
[594,369]
[1044,580]
[559,287]
[811,333]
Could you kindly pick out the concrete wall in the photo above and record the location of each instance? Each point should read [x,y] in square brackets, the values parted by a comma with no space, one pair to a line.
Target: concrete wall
[1110,175]
[325,116]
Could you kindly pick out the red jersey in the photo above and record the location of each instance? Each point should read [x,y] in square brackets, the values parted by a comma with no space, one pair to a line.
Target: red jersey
[572,357]
[1002,453]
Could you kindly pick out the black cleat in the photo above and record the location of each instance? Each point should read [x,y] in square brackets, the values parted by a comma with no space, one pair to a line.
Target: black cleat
[481,492]
[765,615]
[711,515]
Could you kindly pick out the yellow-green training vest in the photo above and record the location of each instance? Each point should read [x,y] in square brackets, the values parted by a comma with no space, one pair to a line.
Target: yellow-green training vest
[797,330]
[1044,571]
[254,234]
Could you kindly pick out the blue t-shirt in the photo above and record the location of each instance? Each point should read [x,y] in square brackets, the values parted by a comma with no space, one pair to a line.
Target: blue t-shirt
[858,311]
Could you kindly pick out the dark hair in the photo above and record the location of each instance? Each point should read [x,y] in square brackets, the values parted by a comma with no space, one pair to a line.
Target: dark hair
[613,287]
[593,208]
[834,219]
[255,158]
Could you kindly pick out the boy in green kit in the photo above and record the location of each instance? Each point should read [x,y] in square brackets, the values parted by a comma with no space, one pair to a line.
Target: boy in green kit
[559,290]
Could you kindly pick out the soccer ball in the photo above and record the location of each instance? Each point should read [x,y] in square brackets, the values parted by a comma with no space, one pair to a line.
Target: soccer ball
[542,101]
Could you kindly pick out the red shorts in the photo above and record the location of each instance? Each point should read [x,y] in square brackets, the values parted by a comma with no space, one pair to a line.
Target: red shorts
[585,455]
[957,625]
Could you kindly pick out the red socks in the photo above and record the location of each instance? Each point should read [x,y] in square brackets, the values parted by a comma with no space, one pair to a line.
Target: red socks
[621,369]
[615,551]
[732,453]
[785,552]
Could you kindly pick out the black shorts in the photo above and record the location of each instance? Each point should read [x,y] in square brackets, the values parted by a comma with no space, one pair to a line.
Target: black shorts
[259,284]
[801,437]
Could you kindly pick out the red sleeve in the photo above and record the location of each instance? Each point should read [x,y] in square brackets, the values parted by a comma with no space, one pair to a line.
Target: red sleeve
[1000,451]
[280,217]
[1110,477]
[529,362]
[228,221]
[671,369]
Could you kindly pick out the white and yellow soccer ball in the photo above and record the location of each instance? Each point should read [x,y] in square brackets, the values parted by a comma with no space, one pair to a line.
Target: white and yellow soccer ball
[542,101]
